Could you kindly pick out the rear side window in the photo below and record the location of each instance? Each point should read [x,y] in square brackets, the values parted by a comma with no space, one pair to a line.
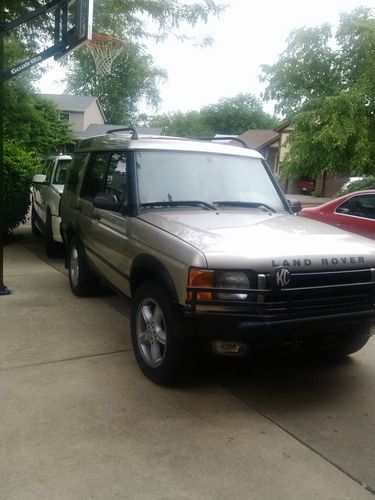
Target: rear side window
[96,175]
[116,177]
[74,170]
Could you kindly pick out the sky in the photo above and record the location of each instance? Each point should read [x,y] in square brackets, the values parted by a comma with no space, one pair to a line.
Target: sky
[247,35]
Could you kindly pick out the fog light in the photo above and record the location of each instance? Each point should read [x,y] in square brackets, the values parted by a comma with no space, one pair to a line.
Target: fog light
[229,348]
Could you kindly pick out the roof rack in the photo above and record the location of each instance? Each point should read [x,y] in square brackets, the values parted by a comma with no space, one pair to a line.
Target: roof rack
[125,129]
[223,138]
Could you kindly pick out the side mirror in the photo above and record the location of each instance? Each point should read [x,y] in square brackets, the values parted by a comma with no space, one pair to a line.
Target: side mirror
[39,179]
[106,201]
[295,205]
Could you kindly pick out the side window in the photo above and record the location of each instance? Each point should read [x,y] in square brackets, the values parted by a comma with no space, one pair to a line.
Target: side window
[61,171]
[95,178]
[47,164]
[49,170]
[116,177]
[359,206]
[74,170]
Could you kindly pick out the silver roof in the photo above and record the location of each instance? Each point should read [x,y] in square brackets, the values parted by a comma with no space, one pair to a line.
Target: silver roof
[119,141]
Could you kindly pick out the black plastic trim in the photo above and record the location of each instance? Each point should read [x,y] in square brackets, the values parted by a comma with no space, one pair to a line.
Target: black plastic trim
[144,263]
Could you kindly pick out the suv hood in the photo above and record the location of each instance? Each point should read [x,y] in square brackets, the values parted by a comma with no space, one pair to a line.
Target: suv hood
[233,238]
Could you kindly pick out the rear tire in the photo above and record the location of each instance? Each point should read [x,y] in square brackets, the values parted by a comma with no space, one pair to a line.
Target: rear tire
[34,227]
[83,282]
[160,354]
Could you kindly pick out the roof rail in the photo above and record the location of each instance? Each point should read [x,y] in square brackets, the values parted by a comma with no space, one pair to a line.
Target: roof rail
[127,129]
[224,138]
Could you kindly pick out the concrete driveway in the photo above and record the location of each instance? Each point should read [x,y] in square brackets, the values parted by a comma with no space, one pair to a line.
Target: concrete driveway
[79,420]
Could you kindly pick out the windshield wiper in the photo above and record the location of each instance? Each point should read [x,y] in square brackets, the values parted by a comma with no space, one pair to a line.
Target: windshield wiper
[180,203]
[250,204]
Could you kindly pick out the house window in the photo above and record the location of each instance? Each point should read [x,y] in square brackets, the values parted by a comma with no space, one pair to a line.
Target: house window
[64,117]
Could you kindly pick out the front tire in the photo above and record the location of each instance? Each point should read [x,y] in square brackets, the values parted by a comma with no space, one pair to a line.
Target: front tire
[160,354]
[83,281]
[353,344]
[345,344]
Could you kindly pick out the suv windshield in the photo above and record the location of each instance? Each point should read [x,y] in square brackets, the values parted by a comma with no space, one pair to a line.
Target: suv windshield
[207,177]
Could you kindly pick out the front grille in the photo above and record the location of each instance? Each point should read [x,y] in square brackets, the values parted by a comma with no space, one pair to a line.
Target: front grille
[308,294]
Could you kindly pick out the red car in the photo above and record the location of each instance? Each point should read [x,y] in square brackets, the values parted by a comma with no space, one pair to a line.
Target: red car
[354,212]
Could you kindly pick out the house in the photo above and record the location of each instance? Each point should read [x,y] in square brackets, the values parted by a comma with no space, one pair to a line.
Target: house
[273,145]
[266,142]
[86,118]
[79,111]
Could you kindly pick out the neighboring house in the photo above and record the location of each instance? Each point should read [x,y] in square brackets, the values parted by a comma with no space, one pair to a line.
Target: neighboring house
[86,117]
[273,145]
[79,111]
[100,129]
[266,142]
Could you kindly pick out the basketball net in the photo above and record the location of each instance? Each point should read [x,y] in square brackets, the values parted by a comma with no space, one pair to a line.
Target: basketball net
[104,50]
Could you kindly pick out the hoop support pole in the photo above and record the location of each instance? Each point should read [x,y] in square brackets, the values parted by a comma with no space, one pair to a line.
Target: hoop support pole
[3,289]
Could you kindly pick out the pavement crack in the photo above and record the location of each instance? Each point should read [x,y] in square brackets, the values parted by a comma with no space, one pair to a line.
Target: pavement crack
[64,360]
[304,443]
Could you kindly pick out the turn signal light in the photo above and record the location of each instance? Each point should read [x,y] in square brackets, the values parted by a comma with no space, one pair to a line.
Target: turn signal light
[201,278]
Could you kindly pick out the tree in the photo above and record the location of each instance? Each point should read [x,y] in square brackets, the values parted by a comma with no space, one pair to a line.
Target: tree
[190,124]
[134,77]
[19,167]
[29,119]
[134,80]
[329,95]
[229,116]
[32,128]
[235,115]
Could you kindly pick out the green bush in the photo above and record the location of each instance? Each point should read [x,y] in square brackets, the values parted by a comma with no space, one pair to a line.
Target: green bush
[19,166]
[366,183]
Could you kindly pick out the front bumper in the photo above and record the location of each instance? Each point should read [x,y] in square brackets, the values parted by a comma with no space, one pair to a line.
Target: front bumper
[315,304]
[268,333]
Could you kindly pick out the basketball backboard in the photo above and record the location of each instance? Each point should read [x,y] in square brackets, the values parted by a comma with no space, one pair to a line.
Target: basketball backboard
[75,25]
[70,23]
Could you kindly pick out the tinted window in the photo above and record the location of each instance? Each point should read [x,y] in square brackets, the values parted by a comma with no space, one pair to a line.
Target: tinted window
[61,171]
[359,206]
[74,170]
[95,178]
[116,177]
[49,169]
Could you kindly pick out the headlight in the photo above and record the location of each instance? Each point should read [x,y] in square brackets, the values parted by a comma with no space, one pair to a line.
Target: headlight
[232,280]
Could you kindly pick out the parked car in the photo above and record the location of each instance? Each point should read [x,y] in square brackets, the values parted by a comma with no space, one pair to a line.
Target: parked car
[354,212]
[305,185]
[202,239]
[46,194]
[349,182]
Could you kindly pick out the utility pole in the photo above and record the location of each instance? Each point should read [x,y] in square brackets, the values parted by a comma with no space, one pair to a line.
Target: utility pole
[3,289]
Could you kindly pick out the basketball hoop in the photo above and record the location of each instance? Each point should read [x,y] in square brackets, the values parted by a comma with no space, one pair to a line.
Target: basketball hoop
[104,50]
